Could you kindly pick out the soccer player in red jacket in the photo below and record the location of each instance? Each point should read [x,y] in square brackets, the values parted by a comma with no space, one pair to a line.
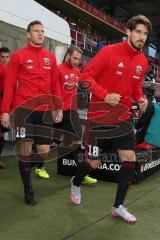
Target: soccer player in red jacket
[4,59]
[32,92]
[114,76]
[69,79]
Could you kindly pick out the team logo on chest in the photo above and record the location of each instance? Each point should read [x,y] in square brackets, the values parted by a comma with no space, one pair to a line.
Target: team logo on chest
[72,76]
[70,82]
[46,61]
[138,69]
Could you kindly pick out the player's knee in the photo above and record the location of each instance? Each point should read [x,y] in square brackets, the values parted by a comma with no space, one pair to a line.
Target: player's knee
[127,155]
[24,147]
[94,164]
[43,148]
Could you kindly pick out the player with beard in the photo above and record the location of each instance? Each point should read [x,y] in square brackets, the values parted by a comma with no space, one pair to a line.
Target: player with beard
[69,78]
[114,76]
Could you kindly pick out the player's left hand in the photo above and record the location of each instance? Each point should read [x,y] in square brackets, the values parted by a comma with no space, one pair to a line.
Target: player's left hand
[143,103]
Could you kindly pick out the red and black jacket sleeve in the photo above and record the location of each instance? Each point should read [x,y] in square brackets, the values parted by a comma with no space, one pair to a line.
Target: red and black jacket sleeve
[55,86]
[92,70]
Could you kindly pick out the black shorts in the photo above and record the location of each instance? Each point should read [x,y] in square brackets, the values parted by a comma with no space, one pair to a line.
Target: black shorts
[33,125]
[106,138]
[70,127]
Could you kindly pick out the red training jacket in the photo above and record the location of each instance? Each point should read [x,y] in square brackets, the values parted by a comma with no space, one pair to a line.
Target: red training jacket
[31,80]
[117,69]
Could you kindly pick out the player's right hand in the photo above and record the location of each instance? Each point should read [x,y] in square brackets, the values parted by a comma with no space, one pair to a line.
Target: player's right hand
[112,99]
[5,120]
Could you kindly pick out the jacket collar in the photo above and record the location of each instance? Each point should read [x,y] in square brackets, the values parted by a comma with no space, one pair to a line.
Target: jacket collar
[34,48]
[130,50]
